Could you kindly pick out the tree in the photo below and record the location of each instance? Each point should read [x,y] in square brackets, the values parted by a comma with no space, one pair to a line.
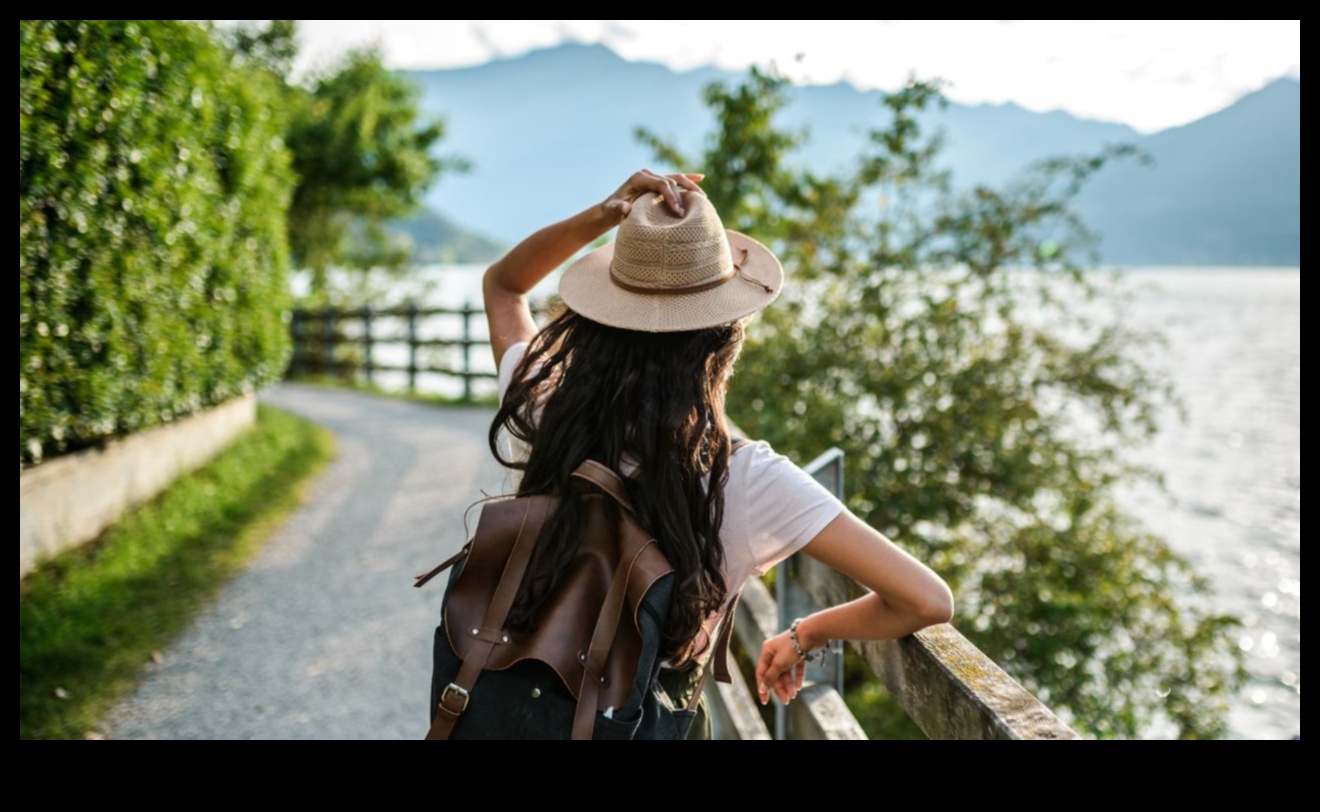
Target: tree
[952,344]
[360,149]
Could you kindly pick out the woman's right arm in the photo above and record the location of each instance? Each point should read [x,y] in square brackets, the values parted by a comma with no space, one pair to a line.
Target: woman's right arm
[905,596]
[506,283]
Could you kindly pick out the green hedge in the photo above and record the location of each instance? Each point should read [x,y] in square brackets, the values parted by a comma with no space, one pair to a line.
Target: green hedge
[153,185]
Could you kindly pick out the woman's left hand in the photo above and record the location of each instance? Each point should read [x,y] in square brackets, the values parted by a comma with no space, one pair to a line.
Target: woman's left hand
[780,669]
[670,187]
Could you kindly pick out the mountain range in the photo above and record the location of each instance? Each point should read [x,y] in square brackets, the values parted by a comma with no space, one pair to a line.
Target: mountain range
[551,131]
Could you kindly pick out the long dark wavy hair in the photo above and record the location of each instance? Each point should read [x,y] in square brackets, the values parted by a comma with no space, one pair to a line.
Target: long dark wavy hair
[658,398]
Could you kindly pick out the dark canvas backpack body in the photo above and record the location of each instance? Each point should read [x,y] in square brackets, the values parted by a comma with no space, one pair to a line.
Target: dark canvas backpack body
[592,666]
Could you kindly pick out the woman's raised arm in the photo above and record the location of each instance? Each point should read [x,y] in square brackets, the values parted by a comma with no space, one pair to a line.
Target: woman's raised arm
[506,283]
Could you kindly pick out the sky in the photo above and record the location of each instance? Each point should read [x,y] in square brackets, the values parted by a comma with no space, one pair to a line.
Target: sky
[1148,74]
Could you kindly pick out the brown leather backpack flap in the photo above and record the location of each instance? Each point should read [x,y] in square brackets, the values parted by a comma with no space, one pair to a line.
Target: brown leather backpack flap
[612,546]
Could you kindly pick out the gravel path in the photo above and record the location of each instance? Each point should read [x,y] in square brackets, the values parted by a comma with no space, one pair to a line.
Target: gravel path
[324,636]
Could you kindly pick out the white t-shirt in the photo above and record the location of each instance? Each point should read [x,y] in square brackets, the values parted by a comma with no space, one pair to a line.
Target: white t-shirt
[772,508]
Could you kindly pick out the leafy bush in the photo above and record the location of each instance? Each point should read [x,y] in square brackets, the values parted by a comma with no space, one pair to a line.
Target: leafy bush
[984,392]
[153,186]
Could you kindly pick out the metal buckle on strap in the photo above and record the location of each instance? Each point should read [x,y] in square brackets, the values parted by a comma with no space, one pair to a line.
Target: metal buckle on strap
[460,691]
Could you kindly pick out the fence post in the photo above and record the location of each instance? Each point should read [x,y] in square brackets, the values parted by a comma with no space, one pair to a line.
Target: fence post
[467,351]
[329,337]
[366,344]
[295,330]
[412,346]
[794,600]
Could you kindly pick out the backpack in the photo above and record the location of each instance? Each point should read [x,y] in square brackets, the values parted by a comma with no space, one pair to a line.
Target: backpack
[592,667]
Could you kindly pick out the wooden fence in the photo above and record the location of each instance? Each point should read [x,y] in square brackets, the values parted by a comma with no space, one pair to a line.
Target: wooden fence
[343,342]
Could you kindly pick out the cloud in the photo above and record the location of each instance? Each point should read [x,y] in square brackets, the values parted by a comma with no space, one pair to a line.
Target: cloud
[1150,74]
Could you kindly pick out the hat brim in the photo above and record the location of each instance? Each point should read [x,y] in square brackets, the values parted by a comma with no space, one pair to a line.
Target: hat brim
[587,289]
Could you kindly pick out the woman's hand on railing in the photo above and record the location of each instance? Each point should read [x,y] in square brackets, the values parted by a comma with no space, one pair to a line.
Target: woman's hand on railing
[905,596]
[781,670]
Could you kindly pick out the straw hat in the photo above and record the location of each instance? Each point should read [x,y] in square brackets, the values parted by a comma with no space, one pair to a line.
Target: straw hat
[667,272]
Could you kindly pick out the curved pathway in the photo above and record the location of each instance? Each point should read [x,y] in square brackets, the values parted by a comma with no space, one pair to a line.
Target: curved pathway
[324,635]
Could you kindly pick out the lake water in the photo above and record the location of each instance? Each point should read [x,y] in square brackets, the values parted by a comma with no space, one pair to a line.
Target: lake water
[1233,468]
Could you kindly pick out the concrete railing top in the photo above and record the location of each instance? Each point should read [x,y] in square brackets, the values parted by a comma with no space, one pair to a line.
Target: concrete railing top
[948,686]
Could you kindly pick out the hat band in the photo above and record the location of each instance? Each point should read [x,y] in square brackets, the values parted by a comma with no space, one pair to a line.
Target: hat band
[735,270]
[619,282]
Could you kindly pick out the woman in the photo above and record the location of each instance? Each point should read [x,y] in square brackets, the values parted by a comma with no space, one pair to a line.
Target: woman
[633,374]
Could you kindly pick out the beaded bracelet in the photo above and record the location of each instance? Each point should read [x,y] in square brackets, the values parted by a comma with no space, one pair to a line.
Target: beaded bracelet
[797,647]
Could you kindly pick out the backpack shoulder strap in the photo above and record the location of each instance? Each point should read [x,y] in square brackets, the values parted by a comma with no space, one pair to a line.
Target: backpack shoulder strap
[610,482]
[719,659]
[605,479]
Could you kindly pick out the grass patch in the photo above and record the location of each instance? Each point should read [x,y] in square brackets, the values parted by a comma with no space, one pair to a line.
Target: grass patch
[331,382]
[880,715]
[89,620]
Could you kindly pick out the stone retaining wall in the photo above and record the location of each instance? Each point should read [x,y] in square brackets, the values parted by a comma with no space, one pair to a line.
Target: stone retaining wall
[69,500]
